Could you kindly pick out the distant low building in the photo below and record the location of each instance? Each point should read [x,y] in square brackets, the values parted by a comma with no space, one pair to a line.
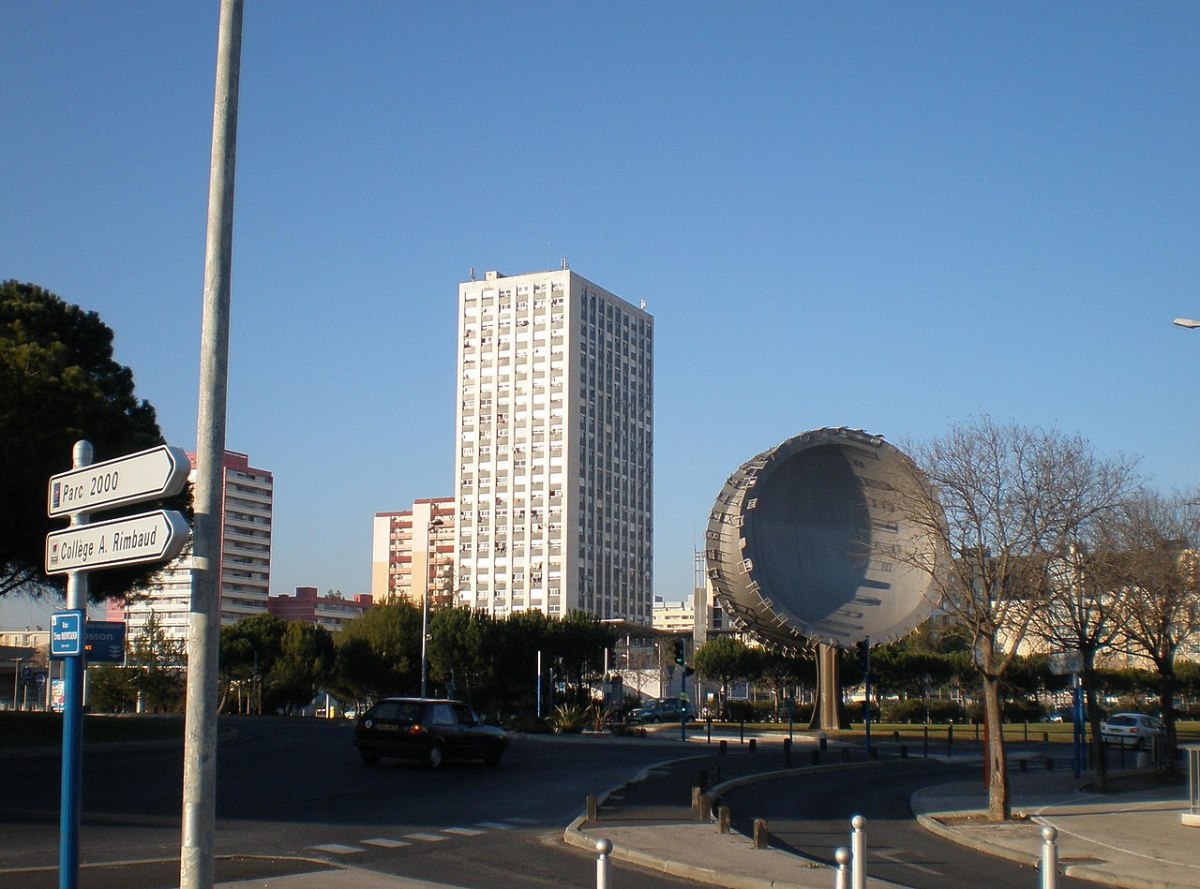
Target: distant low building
[332,612]
[674,616]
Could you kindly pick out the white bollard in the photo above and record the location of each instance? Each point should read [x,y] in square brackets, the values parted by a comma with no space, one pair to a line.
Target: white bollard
[858,853]
[603,847]
[842,875]
[1049,858]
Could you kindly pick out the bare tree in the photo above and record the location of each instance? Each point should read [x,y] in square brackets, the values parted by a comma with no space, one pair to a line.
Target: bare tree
[1014,498]
[1156,569]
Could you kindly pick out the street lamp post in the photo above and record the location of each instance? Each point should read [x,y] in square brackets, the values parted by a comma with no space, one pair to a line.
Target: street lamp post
[16,676]
[434,522]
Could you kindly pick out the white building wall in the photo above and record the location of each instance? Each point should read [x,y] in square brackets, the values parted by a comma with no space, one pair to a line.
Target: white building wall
[554,447]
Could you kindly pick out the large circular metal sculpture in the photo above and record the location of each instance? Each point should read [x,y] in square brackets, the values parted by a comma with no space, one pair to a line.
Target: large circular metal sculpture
[807,542]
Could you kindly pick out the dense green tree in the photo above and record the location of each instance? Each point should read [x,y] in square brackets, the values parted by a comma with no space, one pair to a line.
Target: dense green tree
[248,651]
[725,660]
[578,643]
[160,661]
[380,653]
[782,673]
[304,665]
[59,384]
[461,646]
[112,689]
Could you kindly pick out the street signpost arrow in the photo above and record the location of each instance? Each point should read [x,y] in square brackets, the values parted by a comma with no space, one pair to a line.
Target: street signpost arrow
[147,537]
[146,475]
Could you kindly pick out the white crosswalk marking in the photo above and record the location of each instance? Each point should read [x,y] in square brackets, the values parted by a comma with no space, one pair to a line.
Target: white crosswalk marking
[463,831]
[338,849]
[385,843]
[426,837]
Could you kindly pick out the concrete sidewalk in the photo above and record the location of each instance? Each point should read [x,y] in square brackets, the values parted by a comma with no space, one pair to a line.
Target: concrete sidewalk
[1133,839]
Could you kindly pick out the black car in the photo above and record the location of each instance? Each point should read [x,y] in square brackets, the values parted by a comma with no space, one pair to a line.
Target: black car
[427,730]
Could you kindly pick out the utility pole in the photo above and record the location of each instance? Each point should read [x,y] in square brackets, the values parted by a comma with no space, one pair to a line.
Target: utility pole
[196,859]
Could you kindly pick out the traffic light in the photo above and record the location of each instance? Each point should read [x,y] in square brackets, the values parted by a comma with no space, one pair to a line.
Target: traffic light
[864,653]
[679,652]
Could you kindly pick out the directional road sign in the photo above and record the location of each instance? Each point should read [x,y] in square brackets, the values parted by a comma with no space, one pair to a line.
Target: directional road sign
[146,475]
[146,537]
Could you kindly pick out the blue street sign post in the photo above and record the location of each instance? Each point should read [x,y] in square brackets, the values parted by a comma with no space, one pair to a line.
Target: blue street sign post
[150,537]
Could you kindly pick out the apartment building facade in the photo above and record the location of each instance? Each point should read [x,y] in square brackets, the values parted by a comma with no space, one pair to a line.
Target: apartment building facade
[412,552]
[554,436]
[246,513]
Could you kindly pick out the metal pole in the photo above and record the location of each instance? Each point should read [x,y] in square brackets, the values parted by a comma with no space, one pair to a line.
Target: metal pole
[858,853]
[842,878]
[603,848]
[200,733]
[16,676]
[1049,858]
[539,684]
[71,795]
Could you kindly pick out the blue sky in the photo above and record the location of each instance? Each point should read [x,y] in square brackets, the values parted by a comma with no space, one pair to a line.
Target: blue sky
[892,216]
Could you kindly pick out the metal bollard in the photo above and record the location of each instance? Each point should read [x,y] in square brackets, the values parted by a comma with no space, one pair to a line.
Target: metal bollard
[697,794]
[926,754]
[904,751]
[723,819]
[842,877]
[705,807]
[754,745]
[858,853]
[949,739]
[742,733]
[822,743]
[895,734]
[592,814]
[787,753]
[1049,858]
[760,833]
[603,848]
[723,747]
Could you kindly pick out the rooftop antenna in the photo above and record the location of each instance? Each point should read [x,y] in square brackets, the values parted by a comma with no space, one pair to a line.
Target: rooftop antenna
[472,273]
[563,264]
[643,305]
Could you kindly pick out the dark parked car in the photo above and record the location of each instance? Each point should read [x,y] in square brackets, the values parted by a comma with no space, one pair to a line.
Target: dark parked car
[428,730]
[661,710]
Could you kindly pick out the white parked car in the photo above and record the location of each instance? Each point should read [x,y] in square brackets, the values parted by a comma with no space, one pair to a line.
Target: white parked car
[1135,730]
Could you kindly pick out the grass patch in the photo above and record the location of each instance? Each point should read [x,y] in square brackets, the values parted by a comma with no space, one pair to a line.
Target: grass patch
[20,730]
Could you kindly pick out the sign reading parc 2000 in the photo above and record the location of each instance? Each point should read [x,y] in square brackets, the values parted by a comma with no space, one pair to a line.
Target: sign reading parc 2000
[146,475]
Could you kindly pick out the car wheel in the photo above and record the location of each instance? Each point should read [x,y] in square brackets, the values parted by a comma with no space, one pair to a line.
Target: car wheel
[655,720]
[492,757]
[371,759]
[435,757]
[1140,745]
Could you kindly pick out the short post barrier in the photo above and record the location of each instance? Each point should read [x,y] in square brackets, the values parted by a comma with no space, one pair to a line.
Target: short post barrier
[950,739]
[705,807]
[1024,765]
[787,753]
[724,819]
[742,733]
[822,743]
[723,747]
[895,734]
[926,740]
[592,808]
[1049,858]
[754,745]
[842,874]
[1026,732]
[858,853]
[603,848]
[708,722]
[697,793]
[760,833]
[1049,763]
[816,757]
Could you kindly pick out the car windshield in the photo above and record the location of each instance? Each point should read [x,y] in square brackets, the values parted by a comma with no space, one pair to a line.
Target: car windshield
[1122,720]
[402,712]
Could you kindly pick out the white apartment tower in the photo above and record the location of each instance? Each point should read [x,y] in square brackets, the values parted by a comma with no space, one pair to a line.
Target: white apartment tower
[554,429]
[246,498]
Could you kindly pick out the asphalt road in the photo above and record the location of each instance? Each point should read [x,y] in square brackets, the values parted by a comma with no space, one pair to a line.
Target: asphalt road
[810,815]
[297,789]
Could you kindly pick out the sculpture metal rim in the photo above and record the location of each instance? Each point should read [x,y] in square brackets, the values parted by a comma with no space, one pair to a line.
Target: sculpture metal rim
[877,597]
